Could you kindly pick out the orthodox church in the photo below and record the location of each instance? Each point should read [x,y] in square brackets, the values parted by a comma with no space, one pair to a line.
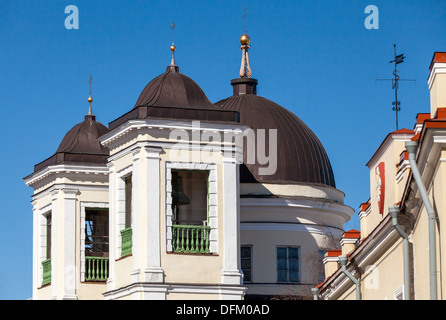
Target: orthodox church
[182,198]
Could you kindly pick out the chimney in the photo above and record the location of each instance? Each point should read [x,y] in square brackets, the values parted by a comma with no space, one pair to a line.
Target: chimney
[349,240]
[331,262]
[437,82]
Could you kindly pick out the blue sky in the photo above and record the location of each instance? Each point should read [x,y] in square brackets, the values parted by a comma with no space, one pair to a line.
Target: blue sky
[315,58]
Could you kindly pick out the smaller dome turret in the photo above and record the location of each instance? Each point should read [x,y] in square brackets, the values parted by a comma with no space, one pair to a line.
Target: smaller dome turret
[80,145]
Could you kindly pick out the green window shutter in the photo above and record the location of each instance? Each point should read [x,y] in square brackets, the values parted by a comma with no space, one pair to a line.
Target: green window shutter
[46,272]
[126,245]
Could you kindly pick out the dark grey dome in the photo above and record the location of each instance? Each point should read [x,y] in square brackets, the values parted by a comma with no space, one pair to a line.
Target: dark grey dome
[301,158]
[80,145]
[174,89]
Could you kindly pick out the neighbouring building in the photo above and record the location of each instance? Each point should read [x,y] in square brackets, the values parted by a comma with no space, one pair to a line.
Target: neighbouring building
[398,252]
[181,198]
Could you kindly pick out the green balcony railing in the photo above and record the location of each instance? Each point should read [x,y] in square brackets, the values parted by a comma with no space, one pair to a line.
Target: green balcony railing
[126,245]
[96,268]
[46,272]
[190,239]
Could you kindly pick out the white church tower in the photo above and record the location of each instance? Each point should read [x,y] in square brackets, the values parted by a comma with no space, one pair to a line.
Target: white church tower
[70,216]
[174,200]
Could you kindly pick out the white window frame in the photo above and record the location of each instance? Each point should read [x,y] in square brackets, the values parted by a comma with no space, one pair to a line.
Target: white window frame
[250,246]
[120,205]
[42,214]
[84,207]
[212,201]
[299,265]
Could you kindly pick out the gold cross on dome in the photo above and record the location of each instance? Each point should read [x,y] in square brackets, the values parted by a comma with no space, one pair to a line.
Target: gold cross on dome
[245,15]
[172,27]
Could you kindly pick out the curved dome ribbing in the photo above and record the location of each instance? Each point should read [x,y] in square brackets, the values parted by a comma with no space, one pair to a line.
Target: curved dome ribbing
[174,89]
[83,138]
[301,158]
[80,145]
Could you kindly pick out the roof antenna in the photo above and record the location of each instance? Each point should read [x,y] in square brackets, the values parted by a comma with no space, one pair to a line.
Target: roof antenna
[395,82]
[90,99]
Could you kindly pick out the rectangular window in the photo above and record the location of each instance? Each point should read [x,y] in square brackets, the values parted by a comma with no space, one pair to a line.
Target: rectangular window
[46,264]
[128,201]
[288,265]
[190,230]
[96,244]
[96,232]
[48,235]
[190,197]
[246,263]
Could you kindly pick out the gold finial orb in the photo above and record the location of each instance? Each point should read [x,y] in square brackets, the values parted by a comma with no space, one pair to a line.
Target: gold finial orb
[90,99]
[172,48]
[244,39]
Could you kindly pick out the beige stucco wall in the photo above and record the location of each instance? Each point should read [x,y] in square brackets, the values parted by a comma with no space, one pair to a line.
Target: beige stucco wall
[310,217]
[264,260]
[437,92]
[191,296]
[123,270]
[178,268]
[385,275]
[393,189]
[45,199]
[380,277]
[421,237]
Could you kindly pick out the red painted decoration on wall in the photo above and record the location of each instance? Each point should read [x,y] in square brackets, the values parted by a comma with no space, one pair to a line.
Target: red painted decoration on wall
[380,186]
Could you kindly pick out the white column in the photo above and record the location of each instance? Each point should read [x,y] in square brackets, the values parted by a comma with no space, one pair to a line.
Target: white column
[69,244]
[111,227]
[136,217]
[54,236]
[231,222]
[153,271]
[36,258]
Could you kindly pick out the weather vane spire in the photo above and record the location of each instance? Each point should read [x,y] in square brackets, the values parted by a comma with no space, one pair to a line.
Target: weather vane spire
[90,99]
[395,81]
[397,60]
[172,47]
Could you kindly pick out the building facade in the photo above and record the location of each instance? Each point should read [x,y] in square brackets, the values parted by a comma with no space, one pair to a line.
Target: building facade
[181,198]
[397,254]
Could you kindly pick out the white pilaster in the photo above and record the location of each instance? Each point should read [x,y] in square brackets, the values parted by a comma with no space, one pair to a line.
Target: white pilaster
[231,222]
[36,260]
[111,225]
[153,271]
[136,216]
[54,246]
[69,244]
